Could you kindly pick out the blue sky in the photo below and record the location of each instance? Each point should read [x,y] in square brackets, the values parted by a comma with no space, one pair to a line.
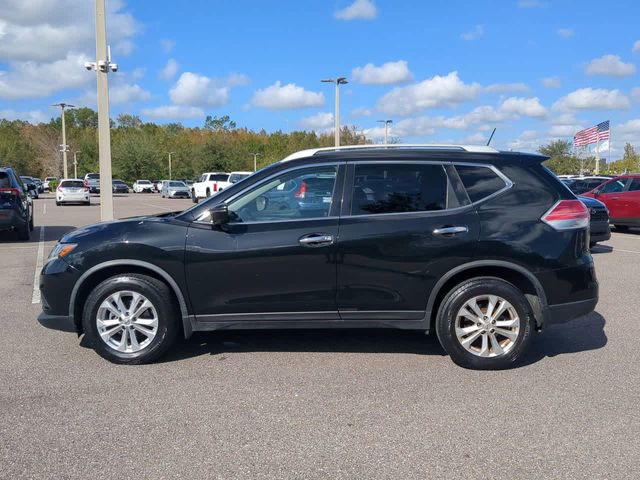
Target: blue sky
[443,71]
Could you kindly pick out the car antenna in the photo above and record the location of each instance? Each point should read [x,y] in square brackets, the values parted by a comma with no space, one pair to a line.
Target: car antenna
[491,137]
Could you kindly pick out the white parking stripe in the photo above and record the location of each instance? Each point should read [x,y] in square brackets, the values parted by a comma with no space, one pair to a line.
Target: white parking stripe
[44,209]
[35,298]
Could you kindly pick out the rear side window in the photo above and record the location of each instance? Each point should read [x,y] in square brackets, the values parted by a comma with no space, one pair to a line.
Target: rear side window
[398,188]
[480,182]
[635,185]
[5,181]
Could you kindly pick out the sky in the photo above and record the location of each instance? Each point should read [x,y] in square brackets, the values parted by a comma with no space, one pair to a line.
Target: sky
[444,72]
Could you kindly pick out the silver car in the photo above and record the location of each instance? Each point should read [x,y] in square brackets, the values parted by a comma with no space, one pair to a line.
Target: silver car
[175,189]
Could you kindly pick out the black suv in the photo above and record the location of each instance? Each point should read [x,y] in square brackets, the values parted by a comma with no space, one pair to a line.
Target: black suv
[16,209]
[483,247]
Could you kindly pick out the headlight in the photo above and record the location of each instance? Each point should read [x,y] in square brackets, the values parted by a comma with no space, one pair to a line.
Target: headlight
[61,250]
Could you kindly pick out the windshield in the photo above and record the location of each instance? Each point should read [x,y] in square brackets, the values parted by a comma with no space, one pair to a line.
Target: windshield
[93,176]
[145,182]
[118,182]
[177,184]
[72,184]
[236,177]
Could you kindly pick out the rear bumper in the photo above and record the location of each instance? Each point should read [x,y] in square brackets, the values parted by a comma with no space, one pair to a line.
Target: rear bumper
[599,231]
[57,322]
[565,312]
[9,218]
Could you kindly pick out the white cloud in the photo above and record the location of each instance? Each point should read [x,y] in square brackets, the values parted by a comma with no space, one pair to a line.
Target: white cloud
[167,45]
[362,112]
[32,116]
[564,130]
[137,73]
[565,32]
[611,66]
[476,33]
[388,73]
[636,46]
[235,80]
[173,112]
[592,99]
[438,91]
[551,82]
[170,69]
[319,121]
[529,140]
[285,97]
[635,94]
[197,90]
[523,107]
[507,87]
[531,4]
[126,93]
[37,79]
[360,9]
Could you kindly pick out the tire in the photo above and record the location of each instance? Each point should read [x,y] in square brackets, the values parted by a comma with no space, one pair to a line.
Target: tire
[24,232]
[57,203]
[513,347]
[622,228]
[31,226]
[194,199]
[87,204]
[163,309]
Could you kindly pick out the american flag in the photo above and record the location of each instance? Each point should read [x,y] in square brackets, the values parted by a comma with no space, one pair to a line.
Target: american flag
[592,135]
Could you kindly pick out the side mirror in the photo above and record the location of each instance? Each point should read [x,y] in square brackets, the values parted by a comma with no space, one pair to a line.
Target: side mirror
[219,215]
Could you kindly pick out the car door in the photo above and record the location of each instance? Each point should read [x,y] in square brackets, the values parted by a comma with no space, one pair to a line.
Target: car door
[611,194]
[404,225]
[272,260]
[629,208]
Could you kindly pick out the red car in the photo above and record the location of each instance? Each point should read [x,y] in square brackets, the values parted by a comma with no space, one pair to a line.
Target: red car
[621,195]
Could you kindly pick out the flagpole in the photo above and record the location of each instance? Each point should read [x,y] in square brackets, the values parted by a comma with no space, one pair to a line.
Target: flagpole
[609,159]
[597,154]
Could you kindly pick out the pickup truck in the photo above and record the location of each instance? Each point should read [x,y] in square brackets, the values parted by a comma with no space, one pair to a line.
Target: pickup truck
[209,184]
[92,182]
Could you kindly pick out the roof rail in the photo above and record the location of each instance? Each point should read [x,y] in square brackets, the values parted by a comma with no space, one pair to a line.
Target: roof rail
[396,146]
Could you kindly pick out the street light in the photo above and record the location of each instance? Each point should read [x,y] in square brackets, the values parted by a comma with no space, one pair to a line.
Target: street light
[64,148]
[170,153]
[255,161]
[75,163]
[386,125]
[338,81]
[102,66]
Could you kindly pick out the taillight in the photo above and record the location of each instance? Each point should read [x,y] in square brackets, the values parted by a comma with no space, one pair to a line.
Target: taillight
[86,187]
[215,187]
[59,188]
[567,215]
[301,191]
[11,191]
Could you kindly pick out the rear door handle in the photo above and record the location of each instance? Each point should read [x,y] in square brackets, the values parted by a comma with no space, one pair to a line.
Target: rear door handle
[450,231]
[316,240]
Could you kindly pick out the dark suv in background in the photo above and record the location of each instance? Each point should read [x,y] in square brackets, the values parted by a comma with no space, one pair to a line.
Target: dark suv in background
[483,247]
[16,208]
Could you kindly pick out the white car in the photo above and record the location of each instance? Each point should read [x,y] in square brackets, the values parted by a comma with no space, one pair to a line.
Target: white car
[141,186]
[45,184]
[72,190]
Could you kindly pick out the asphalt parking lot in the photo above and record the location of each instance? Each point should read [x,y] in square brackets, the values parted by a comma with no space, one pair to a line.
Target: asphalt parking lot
[321,404]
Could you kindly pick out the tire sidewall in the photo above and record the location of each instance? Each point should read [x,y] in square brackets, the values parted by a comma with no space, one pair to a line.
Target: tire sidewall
[157,293]
[445,323]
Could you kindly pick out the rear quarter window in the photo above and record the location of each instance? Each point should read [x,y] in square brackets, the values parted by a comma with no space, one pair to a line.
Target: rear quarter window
[5,181]
[479,182]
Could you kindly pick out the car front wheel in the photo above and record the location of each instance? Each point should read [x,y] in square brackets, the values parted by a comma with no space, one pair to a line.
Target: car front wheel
[485,324]
[130,319]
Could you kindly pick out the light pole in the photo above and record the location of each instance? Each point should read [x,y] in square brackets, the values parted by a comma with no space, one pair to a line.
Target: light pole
[338,81]
[170,153]
[75,163]
[64,147]
[386,126]
[102,67]
[255,161]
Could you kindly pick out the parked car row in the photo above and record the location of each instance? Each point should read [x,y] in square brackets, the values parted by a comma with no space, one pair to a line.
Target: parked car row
[211,183]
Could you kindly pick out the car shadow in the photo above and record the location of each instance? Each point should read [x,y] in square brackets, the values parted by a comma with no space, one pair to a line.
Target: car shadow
[582,334]
[597,249]
[579,335]
[51,233]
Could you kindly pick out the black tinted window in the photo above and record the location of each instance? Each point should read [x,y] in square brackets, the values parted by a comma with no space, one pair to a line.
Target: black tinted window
[480,182]
[5,181]
[72,184]
[389,188]
[613,186]
[635,185]
[218,178]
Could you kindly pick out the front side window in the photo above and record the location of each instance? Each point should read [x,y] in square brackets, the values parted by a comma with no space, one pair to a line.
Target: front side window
[613,186]
[398,188]
[300,194]
[480,182]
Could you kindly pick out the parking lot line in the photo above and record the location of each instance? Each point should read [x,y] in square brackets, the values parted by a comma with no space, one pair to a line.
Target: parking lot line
[44,209]
[35,298]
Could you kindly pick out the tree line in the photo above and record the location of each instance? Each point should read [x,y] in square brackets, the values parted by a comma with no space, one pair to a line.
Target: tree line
[140,149]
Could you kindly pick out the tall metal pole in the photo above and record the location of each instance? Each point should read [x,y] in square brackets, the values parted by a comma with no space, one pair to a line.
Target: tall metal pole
[64,147]
[255,161]
[338,81]
[75,164]
[104,134]
[170,153]
[386,129]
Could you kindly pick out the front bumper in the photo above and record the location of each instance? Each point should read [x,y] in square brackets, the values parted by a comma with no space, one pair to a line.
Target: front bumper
[180,194]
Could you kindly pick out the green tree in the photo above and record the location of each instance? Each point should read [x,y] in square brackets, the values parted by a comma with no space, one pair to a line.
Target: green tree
[561,161]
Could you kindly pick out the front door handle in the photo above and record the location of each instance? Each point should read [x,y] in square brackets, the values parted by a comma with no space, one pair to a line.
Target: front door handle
[450,231]
[316,240]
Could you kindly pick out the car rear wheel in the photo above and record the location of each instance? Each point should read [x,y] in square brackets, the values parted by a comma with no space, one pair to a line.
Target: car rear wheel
[24,232]
[130,319]
[194,199]
[485,324]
